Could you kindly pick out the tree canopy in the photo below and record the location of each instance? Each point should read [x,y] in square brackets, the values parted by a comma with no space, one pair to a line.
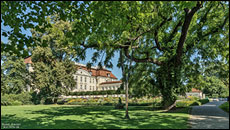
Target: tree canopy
[172,36]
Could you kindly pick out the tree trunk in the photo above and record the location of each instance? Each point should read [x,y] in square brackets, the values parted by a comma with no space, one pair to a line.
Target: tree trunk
[126,101]
[168,83]
[169,100]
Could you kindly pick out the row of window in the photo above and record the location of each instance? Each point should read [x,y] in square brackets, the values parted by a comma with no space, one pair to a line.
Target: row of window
[85,87]
[90,79]
[110,88]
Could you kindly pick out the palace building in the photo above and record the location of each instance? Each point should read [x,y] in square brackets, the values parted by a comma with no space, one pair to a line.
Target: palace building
[93,79]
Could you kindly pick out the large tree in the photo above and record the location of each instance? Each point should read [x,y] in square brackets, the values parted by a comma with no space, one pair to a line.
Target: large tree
[169,35]
[53,68]
[14,74]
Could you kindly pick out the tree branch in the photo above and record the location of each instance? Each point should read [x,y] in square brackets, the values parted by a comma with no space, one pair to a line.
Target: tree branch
[188,17]
[151,60]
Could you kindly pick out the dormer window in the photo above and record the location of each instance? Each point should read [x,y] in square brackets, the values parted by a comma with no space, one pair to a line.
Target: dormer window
[108,74]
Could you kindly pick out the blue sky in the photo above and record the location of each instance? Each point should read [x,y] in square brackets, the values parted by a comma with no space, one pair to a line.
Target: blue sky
[89,53]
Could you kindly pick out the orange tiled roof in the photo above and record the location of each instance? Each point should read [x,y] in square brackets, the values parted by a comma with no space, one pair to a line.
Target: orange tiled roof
[28,60]
[111,82]
[195,90]
[95,72]
[99,72]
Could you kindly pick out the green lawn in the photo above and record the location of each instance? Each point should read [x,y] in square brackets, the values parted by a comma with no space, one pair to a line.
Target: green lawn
[90,117]
[225,106]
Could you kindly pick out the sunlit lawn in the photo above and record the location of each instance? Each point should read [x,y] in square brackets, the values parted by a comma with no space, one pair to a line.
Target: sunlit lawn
[90,117]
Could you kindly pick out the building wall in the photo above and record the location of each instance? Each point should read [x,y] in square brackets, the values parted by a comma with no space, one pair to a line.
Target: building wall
[113,86]
[86,82]
[195,94]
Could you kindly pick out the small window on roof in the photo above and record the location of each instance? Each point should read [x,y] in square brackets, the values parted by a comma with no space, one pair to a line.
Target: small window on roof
[108,74]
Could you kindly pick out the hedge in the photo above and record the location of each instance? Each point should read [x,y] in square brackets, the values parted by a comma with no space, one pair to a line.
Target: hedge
[189,102]
[204,101]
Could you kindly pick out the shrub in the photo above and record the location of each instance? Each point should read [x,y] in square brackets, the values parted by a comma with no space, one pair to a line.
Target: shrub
[5,100]
[192,98]
[24,98]
[16,103]
[225,106]
[195,103]
[61,101]
[119,105]
[184,103]
[203,101]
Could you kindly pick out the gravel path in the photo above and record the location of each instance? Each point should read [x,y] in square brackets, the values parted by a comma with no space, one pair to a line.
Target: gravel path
[209,116]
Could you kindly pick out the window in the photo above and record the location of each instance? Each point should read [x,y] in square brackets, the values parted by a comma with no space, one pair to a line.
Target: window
[90,88]
[85,87]
[108,74]
[76,86]
[81,87]
[90,80]
[27,66]
[85,79]
[81,79]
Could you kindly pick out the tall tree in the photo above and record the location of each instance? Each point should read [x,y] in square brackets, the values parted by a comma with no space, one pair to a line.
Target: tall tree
[53,67]
[14,74]
[169,35]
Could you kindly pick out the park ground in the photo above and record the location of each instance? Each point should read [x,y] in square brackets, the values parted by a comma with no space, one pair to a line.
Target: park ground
[91,117]
[210,116]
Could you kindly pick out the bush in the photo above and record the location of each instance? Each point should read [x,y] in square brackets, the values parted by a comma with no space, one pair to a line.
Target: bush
[183,103]
[119,105]
[203,101]
[16,103]
[25,98]
[225,106]
[195,103]
[215,95]
[192,98]
[16,99]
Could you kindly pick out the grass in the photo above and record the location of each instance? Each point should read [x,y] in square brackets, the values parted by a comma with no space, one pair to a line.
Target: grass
[225,106]
[91,117]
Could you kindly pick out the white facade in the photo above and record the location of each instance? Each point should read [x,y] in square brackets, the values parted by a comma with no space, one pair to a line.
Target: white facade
[87,80]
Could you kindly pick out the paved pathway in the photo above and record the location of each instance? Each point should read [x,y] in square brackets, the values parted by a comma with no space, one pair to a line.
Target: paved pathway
[209,116]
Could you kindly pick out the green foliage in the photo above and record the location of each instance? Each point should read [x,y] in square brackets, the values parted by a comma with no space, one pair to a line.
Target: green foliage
[53,68]
[225,106]
[196,103]
[187,103]
[16,99]
[14,74]
[203,101]
[191,102]
[215,87]
[16,103]
[171,36]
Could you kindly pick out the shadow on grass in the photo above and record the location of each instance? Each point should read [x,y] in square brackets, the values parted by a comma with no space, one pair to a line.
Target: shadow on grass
[82,117]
